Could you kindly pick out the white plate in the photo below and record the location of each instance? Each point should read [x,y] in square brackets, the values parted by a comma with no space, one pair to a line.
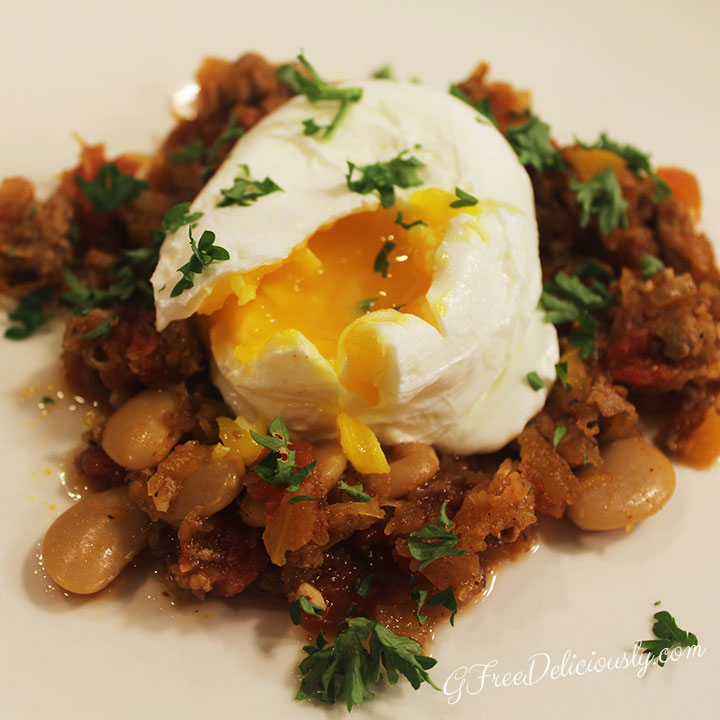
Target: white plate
[645,71]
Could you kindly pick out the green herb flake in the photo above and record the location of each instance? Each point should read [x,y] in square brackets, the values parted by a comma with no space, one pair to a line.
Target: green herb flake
[447,599]
[47,400]
[356,492]
[464,199]
[316,89]
[385,176]
[650,265]
[407,226]
[657,602]
[111,188]
[561,371]
[311,127]
[278,467]
[102,331]
[601,198]
[382,264]
[383,73]
[345,670]
[245,191]
[363,585]
[364,306]
[483,106]
[203,253]
[583,336]
[303,605]
[196,151]
[28,314]
[558,435]
[668,635]
[534,381]
[419,596]
[434,541]
[301,498]
[531,142]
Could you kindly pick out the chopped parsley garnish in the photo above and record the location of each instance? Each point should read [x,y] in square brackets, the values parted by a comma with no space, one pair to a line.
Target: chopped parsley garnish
[384,73]
[558,435]
[356,492]
[311,127]
[650,266]
[203,253]
[278,467]
[177,216]
[28,314]
[601,197]
[447,599]
[534,381]
[483,106]
[345,670]
[531,142]
[583,337]
[111,188]
[196,151]
[316,89]
[384,176]
[464,199]
[363,585]
[419,596]
[84,299]
[303,605]
[434,541]
[637,162]
[364,306]
[407,226]
[102,331]
[245,191]
[301,498]
[381,264]
[561,371]
[668,635]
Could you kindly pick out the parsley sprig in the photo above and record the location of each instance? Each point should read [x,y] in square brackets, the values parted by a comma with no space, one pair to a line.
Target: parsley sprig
[434,541]
[601,197]
[303,605]
[316,89]
[345,670]
[531,142]
[407,226]
[637,162]
[204,252]
[668,635]
[245,191]
[278,467]
[29,314]
[650,266]
[483,106]
[382,264]
[399,172]
[464,199]
[110,188]
[356,492]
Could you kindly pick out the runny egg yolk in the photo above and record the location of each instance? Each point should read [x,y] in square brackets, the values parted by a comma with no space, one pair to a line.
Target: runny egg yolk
[360,263]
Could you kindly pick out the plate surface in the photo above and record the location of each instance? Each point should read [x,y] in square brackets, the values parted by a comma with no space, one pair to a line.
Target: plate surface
[646,72]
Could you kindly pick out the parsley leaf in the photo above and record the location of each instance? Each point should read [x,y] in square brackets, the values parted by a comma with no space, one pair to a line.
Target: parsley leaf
[363,585]
[102,331]
[356,492]
[110,189]
[85,299]
[531,142]
[303,605]
[464,199]
[561,371]
[434,541]
[316,89]
[278,467]
[196,151]
[344,670]
[483,106]
[29,314]
[447,599]
[384,176]
[420,596]
[407,226]
[534,381]
[364,306]
[650,266]
[668,635]
[245,191]
[381,264]
[601,197]
[558,435]
[383,73]
[177,216]
[301,498]
[311,127]
[583,337]
[637,162]
[203,253]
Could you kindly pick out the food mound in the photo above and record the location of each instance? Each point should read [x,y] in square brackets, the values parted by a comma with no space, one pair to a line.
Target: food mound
[367,359]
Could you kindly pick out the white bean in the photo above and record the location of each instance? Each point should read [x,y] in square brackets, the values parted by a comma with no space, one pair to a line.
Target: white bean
[634,482]
[411,465]
[140,433]
[88,546]
[331,462]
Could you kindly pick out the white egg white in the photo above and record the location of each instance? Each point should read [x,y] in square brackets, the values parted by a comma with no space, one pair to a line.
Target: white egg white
[460,384]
